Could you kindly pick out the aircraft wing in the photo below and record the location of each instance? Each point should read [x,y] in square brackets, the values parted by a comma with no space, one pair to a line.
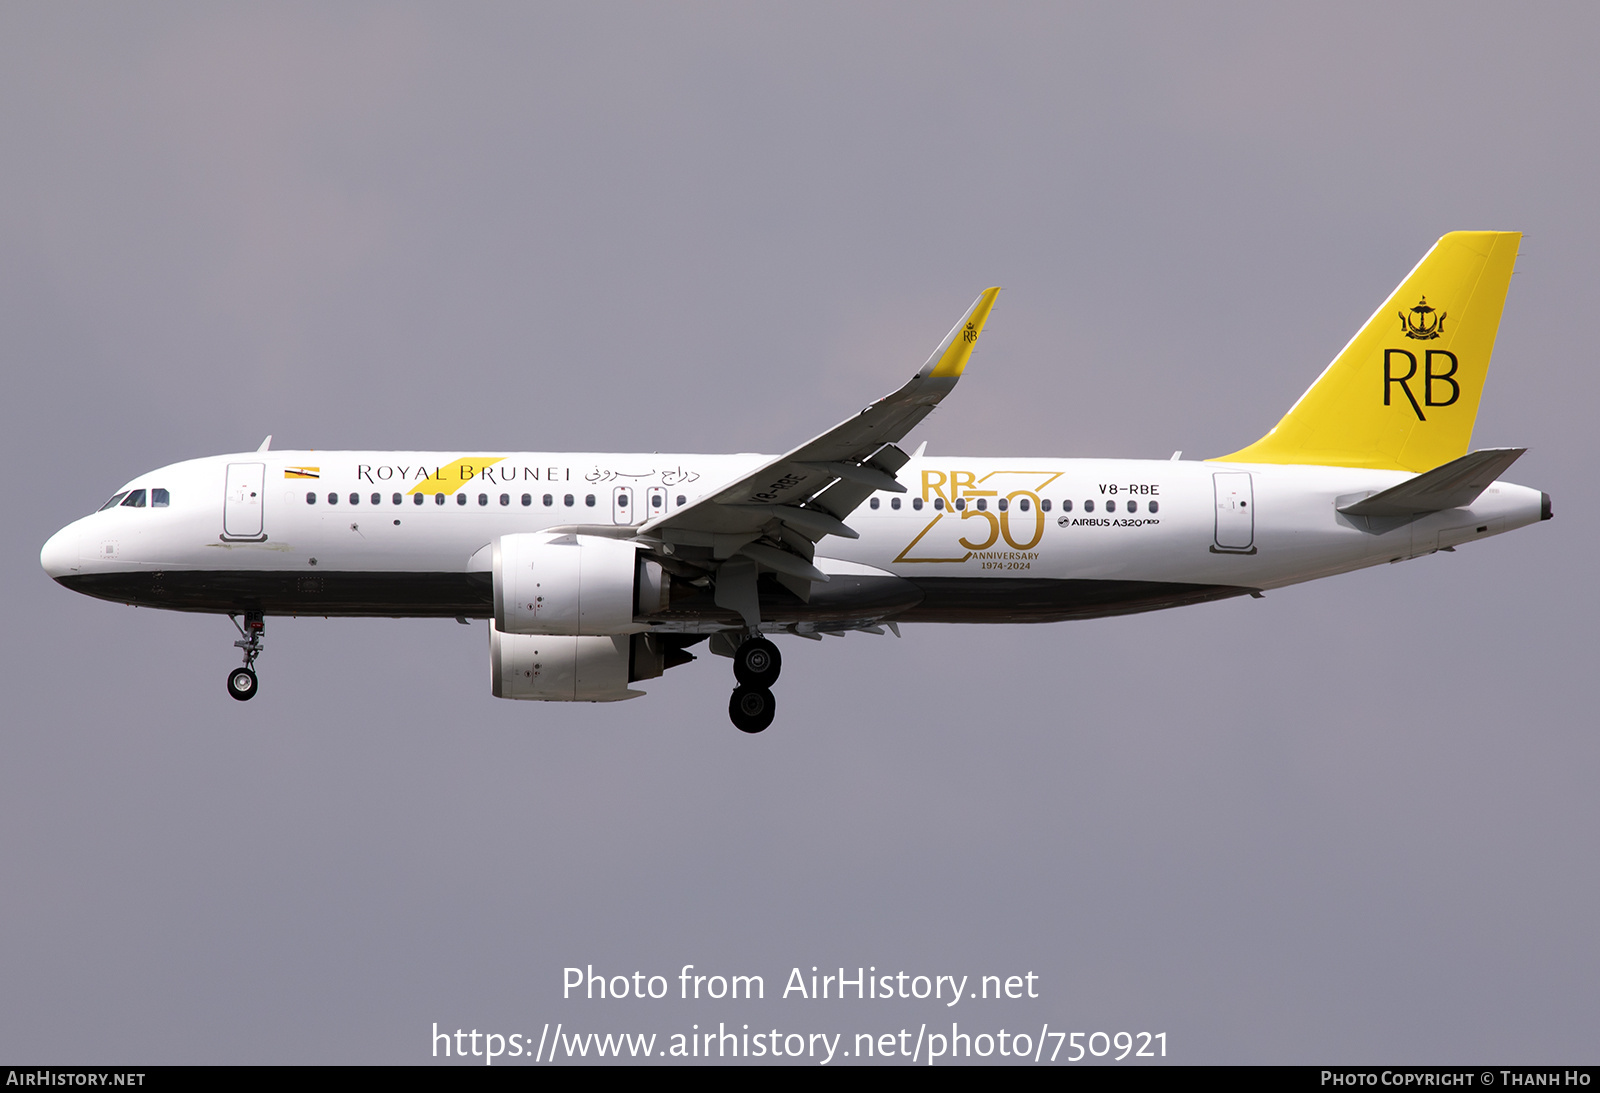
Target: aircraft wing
[773,517]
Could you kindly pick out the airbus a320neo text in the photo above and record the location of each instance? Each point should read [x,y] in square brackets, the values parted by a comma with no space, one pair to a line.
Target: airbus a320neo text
[598,571]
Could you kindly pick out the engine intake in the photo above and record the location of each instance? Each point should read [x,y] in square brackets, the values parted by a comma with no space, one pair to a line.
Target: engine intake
[573,584]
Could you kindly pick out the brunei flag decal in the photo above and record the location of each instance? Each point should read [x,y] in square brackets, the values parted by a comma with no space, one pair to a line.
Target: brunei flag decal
[302,472]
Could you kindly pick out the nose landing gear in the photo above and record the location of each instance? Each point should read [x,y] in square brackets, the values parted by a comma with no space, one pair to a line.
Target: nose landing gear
[242,683]
[756,665]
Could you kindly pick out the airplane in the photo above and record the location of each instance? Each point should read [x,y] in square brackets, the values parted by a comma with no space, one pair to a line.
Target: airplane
[599,571]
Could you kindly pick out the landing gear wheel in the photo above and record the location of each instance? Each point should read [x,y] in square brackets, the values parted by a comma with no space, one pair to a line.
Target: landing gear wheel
[756,663]
[751,708]
[242,684]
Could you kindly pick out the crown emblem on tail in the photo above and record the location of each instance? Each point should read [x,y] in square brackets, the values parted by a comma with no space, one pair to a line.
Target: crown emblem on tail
[1423,322]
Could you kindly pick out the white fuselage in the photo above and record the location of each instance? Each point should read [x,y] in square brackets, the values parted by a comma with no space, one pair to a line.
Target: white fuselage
[405,525]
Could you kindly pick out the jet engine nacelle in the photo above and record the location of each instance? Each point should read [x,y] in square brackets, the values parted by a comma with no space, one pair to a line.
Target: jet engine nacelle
[569,668]
[573,584]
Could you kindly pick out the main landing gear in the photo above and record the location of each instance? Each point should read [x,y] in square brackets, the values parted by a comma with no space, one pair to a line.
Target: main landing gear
[242,683]
[756,665]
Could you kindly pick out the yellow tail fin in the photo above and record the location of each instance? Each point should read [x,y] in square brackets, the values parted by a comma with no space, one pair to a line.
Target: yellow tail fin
[1403,395]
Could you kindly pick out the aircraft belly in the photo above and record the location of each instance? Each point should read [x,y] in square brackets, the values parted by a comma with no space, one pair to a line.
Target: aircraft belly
[279,592]
[845,599]
[977,599]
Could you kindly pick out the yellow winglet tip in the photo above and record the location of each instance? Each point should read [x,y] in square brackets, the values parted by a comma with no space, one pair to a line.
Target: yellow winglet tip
[950,359]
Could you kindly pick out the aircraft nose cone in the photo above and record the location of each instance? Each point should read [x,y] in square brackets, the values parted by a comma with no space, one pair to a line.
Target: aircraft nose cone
[60,553]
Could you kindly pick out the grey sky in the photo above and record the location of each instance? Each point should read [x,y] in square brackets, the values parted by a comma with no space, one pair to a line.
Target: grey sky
[1353,821]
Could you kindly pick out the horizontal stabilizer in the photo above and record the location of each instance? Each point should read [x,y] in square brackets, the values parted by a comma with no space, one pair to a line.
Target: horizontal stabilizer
[1454,485]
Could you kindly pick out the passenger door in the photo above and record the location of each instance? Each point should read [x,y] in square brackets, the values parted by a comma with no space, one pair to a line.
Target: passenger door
[242,502]
[1236,516]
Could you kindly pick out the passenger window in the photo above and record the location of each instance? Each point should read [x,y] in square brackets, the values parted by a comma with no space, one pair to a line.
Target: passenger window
[1133,506]
[655,500]
[938,504]
[588,499]
[916,503]
[1066,506]
[680,500]
[355,499]
[1111,506]
[873,503]
[1155,507]
[461,499]
[548,500]
[397,498]
[377,499]
[311,499]
[483,499]
[894,502]
[1022,504]
[566,499]
[416,499]
[116,499]
[1088,506]
[159,499]
[333,499]
[134,500]
[1044,506]
[527,499]
[505,499]
[961,504]
[438,499]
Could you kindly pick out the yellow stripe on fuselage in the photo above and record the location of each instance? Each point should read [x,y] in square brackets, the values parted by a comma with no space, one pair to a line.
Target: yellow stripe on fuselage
[455,474]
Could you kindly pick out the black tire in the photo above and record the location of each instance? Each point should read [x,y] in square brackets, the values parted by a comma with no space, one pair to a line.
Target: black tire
[751,709]
[242,684]
[757,663]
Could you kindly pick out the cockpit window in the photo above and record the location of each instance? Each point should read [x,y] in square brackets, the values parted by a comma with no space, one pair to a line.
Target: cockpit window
[134,500]
[114,502]
[160,499]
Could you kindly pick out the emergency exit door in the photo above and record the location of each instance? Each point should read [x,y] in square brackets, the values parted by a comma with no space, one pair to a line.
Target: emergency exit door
[622,505]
